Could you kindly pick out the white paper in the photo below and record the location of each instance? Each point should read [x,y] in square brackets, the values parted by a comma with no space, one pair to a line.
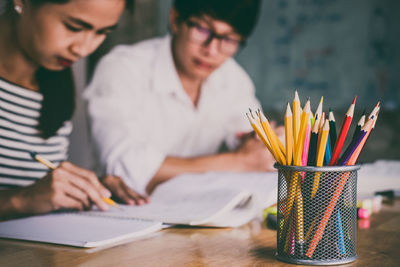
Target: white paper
[378,176]
[206,199]
[75,229]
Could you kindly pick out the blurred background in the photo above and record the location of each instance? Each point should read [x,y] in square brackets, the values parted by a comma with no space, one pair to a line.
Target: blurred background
[331,48]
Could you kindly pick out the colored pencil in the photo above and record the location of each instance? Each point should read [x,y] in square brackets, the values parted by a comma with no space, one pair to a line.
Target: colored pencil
[359,126]
[307,136]
[305,117]
[339,233]
[296,118]
[299,223]
[312,153]
[260,133]
[320,156]
[335,197]
[332,129]
[272,138]
[289,135]
[343,133]
[356,141]
[328,151]
[358,151]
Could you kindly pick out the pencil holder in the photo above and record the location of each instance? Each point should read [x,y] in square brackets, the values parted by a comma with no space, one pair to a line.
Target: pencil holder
[317,214]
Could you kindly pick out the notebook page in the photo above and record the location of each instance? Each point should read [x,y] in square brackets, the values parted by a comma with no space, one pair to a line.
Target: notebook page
[237,216]
[74,229]
[262,185]
[191,208]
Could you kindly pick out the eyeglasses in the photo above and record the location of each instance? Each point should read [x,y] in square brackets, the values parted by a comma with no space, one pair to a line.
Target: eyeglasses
[204,36]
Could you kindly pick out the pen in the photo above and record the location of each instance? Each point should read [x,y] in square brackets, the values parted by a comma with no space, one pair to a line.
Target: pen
[52,166]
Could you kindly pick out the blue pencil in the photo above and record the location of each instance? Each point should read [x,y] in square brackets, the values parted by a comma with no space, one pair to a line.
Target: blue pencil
[327,152]
[339,230]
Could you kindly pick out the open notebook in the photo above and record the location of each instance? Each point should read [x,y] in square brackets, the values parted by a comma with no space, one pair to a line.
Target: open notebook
[77,230]
[210,199]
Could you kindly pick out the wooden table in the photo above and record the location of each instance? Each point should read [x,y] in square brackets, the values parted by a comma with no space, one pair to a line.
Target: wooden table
[250,245]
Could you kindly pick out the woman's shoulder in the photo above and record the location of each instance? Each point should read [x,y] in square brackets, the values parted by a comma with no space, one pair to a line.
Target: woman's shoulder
[16,90]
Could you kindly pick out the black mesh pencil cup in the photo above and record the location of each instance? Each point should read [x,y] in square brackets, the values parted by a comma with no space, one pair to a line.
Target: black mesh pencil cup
[317,214]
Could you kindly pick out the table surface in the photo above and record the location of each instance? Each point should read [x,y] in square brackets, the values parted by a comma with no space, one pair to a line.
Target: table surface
[250,245]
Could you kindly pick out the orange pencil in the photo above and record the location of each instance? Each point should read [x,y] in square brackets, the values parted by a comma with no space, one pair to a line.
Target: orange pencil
[336,195]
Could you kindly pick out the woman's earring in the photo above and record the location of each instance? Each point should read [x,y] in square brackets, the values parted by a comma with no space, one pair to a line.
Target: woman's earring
[18,9]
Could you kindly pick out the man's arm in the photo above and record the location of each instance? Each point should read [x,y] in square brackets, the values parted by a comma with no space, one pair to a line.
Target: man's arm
[250,156]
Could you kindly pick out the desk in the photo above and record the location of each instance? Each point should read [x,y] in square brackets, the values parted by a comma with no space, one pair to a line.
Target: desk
[250,245]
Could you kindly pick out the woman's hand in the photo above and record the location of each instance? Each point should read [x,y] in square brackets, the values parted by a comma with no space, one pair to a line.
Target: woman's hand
[66,187]
[122,192]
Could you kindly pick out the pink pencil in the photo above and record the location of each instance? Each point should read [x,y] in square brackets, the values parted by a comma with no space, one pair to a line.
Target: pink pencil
[306,144]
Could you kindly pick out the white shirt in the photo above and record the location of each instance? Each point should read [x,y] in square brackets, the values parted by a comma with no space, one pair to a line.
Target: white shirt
[140,113]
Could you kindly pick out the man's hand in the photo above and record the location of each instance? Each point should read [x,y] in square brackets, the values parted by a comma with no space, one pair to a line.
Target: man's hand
[122,192]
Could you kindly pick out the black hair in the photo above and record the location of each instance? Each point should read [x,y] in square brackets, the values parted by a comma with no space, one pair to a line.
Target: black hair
[57,88]
[242,15]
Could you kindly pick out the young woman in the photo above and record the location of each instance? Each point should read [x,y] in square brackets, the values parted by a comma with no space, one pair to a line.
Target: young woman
[39,41]
[178,98]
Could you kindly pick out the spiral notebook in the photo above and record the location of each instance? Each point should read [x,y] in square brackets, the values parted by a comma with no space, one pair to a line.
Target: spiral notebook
[77,230]
[211,199]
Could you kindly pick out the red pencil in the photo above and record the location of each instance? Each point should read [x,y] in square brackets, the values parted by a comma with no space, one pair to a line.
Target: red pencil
[343,133]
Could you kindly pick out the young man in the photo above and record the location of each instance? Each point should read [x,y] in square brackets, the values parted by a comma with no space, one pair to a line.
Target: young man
[164,106]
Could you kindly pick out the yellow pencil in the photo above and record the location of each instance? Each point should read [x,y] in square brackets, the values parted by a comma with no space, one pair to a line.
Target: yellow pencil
[52,166]
[320,155]
[289,135]
[257,128]
[300,220]
[273,139]
[296,117]
[281,147]
[305,116]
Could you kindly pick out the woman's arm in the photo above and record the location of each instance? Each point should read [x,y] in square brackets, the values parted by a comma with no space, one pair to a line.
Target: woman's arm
[66,187]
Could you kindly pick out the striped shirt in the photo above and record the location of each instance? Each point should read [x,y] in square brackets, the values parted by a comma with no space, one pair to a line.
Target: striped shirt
[19,135]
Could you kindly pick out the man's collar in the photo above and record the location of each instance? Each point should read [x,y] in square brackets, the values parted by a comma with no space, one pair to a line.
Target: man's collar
[166,79]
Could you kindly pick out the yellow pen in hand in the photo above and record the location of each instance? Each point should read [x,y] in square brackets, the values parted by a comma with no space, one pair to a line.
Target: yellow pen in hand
[52,166]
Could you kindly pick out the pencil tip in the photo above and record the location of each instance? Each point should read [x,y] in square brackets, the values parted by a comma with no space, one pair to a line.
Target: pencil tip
[355,98]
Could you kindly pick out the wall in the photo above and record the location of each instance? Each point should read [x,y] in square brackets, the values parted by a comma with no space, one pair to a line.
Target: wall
[331,48]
